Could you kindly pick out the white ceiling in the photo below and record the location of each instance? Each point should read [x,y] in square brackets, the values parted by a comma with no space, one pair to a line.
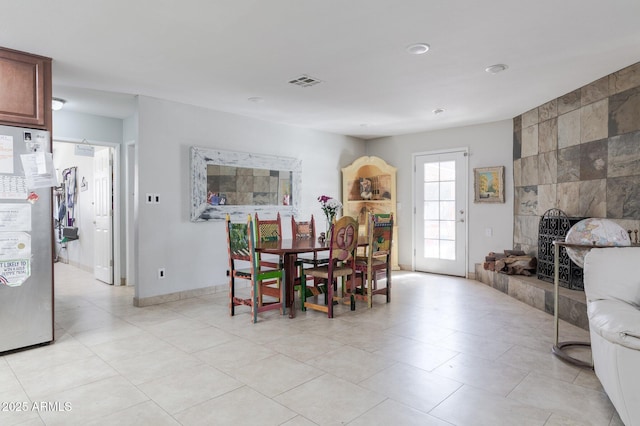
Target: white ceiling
[217,54]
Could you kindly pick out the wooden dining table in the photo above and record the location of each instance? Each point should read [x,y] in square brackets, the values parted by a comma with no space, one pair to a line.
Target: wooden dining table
[288,250]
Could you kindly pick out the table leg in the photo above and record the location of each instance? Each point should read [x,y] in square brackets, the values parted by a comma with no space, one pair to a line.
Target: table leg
[290,270]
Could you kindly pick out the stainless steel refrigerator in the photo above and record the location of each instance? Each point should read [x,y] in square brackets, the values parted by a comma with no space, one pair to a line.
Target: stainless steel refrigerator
[26,238]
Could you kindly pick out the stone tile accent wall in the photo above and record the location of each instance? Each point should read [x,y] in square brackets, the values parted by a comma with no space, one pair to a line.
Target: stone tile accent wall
[579,153]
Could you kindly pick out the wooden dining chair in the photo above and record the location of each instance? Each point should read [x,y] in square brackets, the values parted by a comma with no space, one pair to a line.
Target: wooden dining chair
[306,230]
[244,264]
[376,259]
[342,245]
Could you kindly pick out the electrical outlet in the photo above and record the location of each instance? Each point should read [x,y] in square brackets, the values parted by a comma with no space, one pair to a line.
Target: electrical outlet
[156,198]
[161,273]
[149,198]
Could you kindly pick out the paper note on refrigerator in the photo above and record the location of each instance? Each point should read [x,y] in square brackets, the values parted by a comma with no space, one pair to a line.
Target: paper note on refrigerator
[15,258]
[15,245]
[15,217]
[6,154]
[14,273]
[13,187]
[39,170]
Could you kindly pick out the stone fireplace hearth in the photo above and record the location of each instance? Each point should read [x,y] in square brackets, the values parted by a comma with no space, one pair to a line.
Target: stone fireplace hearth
[572,305]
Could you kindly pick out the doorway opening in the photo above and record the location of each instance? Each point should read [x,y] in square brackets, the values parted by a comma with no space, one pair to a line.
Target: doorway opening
[86,205]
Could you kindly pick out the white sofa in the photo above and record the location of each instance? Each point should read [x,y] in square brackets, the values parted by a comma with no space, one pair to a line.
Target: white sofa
[612,288]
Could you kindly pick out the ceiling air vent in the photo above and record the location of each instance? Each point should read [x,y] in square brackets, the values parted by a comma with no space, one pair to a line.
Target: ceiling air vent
[305,81]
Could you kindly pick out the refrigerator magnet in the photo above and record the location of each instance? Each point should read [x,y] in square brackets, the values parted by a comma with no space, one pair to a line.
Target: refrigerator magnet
[32,197]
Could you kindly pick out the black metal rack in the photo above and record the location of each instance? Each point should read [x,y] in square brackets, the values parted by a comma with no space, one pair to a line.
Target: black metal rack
[554,225]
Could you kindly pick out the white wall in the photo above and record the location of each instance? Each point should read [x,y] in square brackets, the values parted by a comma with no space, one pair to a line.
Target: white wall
[195,254]
[129,197]
[489,145]
[79,126]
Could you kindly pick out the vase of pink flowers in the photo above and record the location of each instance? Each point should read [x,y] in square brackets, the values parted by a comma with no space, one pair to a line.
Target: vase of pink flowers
[330,207]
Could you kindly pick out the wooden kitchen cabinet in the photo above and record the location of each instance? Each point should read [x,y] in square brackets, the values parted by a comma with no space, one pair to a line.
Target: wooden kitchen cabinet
[25,89]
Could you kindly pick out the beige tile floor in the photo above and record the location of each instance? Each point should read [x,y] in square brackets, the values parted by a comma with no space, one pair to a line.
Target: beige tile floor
[446,351]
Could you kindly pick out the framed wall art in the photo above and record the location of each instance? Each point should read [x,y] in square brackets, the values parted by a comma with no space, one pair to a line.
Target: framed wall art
[238,183]
[489,184]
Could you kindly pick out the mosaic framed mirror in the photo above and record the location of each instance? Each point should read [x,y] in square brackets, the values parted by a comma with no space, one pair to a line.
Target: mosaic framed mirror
[239,183]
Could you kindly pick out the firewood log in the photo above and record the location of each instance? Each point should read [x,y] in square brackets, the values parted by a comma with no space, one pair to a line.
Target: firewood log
[518,270]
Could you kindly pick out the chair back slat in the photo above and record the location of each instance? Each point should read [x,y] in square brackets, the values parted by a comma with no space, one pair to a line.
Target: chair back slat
[237,240]
[268,230]
[344,238]
[303,230]
[382,233]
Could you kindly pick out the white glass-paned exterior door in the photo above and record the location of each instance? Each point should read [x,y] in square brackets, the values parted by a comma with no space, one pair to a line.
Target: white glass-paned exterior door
[440,213]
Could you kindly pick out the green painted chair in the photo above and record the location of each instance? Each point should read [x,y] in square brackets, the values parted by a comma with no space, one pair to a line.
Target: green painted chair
[244,263]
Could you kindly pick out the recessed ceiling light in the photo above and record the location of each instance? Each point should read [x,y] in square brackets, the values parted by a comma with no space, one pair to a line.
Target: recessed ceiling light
[495,69]
[255,99]
[438,111]
[418,48]
[57,104]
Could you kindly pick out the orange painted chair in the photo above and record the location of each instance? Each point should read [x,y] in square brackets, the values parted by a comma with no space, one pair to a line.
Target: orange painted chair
[306,230]
[303,230]
[342,245]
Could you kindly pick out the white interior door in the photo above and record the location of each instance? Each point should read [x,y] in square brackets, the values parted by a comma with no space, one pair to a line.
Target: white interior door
[440,213]
[103,216]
